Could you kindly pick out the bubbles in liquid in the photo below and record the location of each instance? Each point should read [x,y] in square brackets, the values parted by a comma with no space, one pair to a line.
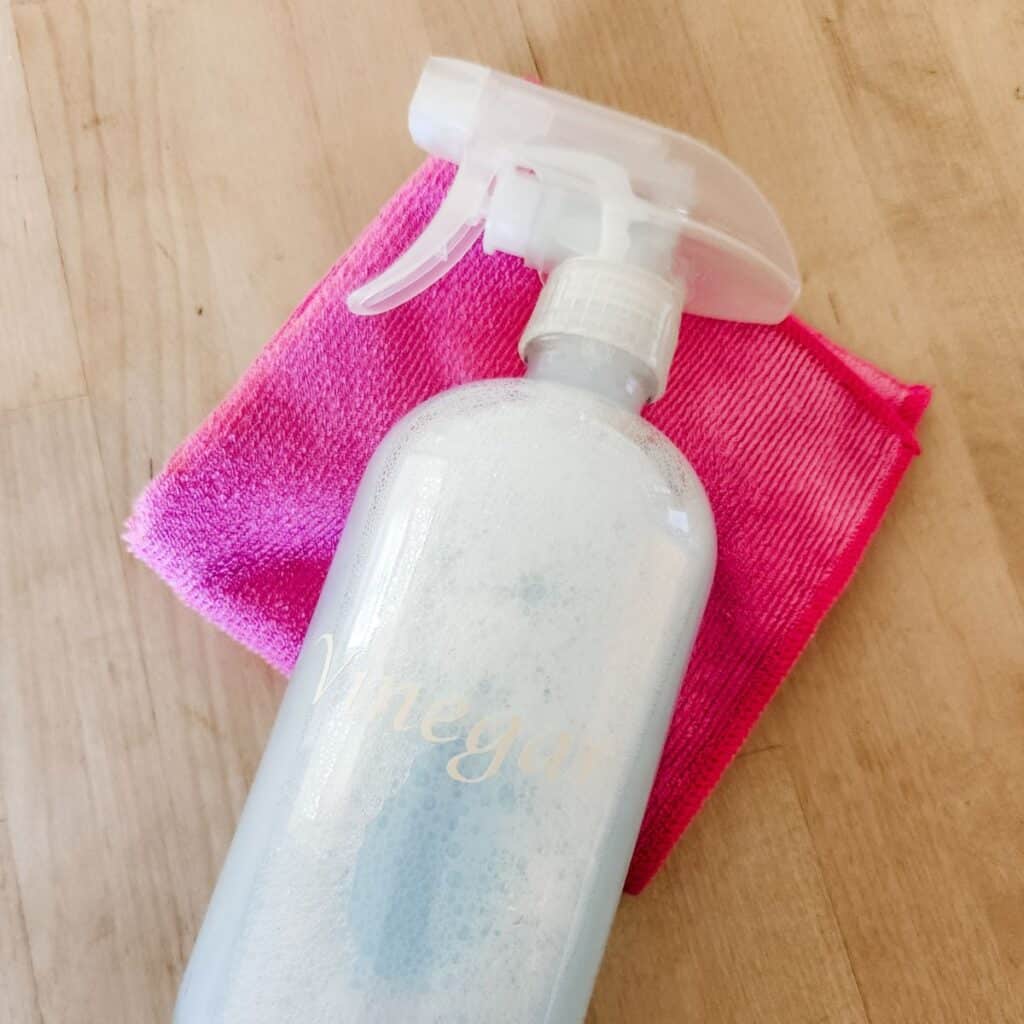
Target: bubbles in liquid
[545,593]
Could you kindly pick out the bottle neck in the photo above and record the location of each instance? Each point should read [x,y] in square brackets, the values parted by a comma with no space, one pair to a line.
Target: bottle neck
[592,366]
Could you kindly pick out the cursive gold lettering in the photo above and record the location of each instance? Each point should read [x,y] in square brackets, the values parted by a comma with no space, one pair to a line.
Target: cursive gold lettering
[402,715]
[327,678]
[443,712]
[498,748]
[489,741]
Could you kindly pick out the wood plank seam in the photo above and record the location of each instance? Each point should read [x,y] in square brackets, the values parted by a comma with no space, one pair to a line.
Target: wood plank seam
[26,935]
[851,962]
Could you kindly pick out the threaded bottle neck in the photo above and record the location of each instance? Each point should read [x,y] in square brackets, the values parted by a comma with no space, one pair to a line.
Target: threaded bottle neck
[623,307]
[593,366]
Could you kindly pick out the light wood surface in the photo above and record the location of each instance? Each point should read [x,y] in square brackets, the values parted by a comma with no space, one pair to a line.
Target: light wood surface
[175,174]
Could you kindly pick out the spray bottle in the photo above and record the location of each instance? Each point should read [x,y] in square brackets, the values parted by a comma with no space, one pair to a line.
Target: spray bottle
[442,821]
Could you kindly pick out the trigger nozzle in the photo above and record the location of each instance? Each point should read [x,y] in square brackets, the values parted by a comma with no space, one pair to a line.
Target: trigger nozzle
[445,240]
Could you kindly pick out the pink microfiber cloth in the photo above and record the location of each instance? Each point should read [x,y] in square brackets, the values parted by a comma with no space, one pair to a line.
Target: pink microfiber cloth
[799,445]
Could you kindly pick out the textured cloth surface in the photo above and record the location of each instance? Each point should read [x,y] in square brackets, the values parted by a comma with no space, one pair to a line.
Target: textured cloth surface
[799,444]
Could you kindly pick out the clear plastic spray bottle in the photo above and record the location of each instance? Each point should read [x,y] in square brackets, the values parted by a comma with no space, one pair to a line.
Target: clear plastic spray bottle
[442,821]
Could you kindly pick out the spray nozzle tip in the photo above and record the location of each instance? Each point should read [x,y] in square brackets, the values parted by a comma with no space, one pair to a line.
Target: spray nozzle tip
[443,111]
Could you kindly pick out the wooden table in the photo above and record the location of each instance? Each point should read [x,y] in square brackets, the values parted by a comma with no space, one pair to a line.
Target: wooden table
[177,173]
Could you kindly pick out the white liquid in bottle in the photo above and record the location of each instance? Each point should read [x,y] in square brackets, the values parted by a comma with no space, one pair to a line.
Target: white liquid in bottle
[445,813]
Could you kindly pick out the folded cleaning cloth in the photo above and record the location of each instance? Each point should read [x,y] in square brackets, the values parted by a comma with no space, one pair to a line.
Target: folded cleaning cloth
[799,445]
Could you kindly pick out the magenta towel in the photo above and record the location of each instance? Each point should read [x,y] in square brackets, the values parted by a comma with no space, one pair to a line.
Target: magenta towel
[799,444]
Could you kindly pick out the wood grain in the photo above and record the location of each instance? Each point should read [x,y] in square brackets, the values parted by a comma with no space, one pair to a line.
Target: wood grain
[741,920]
[87,812]
[40,354]
[177,175]
[18,998]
